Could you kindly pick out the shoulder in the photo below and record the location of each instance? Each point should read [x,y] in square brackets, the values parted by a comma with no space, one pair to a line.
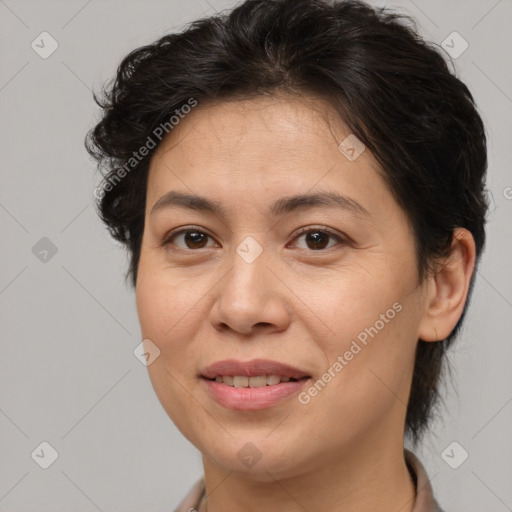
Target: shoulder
[191,501]
[425,501]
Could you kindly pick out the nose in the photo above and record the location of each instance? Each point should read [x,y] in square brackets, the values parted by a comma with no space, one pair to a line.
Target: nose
[251,298]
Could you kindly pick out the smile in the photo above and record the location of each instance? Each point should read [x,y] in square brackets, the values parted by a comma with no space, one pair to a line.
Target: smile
[258,381]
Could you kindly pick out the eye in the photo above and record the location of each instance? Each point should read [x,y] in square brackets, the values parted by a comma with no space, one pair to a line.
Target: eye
[317,238]
[192,238]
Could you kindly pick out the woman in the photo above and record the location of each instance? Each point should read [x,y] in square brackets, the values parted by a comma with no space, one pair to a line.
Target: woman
[300,185]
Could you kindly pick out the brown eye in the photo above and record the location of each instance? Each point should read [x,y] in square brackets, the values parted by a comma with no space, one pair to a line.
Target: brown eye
[192,239]
[195,239]
[317,239]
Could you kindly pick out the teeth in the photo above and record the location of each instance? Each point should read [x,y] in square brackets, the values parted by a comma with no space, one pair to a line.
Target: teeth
[273,379]
[259,381]
[240,382]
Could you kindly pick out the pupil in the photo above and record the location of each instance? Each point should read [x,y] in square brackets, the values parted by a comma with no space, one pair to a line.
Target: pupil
[314,237]
[194,238]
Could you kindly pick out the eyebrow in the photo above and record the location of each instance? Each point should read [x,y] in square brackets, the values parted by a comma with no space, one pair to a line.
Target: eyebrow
[279,207]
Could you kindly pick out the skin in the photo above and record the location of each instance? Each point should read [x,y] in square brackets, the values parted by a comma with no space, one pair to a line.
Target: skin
[201,302]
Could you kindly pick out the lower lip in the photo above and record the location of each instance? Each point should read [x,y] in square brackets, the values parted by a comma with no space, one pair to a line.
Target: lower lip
[252,399]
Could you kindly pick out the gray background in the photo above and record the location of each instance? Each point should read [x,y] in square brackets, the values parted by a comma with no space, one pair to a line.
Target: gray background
[68,375]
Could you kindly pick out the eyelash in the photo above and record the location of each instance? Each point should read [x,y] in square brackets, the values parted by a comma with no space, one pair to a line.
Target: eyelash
[168,239]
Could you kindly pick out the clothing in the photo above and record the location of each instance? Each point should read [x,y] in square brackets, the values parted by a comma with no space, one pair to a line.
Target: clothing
[424,502]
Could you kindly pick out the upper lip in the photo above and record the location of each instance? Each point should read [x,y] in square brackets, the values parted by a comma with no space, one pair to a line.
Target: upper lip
[252,368]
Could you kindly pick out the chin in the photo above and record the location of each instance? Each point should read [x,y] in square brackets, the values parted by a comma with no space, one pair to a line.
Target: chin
[258,457]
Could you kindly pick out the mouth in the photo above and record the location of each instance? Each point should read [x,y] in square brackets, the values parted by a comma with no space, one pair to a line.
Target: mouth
[254,373]
[258,381]
[252,385]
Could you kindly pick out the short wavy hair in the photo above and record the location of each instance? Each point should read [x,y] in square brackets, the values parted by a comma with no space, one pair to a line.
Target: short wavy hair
[393,89]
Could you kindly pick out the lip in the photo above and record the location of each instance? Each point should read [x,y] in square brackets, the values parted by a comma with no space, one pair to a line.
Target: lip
[251,399]
[252,368]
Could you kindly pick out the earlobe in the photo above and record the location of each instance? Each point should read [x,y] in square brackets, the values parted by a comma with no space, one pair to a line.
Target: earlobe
[448,288]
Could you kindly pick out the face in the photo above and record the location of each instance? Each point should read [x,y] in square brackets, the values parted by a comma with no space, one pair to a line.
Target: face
[326,288]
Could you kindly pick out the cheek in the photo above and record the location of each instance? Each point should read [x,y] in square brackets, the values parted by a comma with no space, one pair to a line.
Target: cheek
[355,309]
[370,352]
[164,302]
[152,309]
[171,312]
[164,313]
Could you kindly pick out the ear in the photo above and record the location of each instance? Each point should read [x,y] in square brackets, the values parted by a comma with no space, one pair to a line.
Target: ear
[448,288]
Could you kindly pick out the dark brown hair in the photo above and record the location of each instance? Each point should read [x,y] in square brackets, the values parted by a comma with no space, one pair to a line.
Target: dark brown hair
[394,90]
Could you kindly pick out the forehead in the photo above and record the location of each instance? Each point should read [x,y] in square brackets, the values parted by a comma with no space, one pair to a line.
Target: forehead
[236,129]
[254,150]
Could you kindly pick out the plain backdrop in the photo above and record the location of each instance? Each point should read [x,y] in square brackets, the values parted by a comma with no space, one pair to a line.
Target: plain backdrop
[68,374]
